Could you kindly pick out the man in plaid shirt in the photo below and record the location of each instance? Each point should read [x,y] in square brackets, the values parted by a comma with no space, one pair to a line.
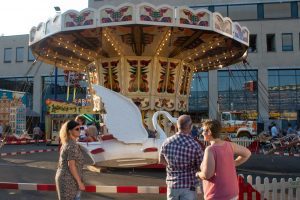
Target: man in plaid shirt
[183,155]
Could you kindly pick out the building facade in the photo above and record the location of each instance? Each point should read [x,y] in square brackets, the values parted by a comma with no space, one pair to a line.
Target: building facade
[266,86]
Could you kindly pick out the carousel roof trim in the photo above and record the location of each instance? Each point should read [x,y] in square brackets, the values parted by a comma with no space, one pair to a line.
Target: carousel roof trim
[163,15]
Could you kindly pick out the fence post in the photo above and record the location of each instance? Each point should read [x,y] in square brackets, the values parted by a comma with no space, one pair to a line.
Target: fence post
[266,188]
[249,191]
[282,189]
[259,187]
[298,188]
[290,190]
[274,186]
[241,187]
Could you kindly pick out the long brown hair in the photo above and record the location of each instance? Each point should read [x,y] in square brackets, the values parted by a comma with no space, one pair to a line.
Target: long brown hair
[64,133]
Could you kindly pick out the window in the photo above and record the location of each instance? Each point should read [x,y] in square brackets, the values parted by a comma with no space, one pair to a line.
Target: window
[271,43]
[277,10]
[198,100]
[260,11]
[19,54]
[294,9]
[287,42]
[222,10]
[226,116]
[252,43]
[232,94]
[199,7]
[7,55]
[242,12]
[298,8]
[284,93]
[30,55]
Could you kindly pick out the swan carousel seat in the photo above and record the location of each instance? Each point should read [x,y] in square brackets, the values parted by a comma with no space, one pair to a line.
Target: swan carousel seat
[128,144]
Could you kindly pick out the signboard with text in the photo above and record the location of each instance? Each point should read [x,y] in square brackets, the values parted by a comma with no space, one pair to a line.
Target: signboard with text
[56,107]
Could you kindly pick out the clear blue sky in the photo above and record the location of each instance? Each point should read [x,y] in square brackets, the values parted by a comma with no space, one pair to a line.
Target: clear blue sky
[18,16]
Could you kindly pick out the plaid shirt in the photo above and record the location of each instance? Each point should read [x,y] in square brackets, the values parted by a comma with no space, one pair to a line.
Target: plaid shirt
[184,156]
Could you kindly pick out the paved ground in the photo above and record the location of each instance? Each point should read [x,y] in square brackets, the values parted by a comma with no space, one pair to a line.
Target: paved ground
[41,167]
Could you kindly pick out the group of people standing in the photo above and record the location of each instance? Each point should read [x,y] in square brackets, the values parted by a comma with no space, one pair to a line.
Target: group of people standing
[188,166]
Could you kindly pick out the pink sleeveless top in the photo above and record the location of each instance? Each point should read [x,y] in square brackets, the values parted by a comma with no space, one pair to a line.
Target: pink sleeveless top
[224,184]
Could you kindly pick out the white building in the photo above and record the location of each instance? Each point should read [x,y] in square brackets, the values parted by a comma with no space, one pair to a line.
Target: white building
[273,62]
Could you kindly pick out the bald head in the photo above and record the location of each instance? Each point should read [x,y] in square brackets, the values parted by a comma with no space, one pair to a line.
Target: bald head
[184,123]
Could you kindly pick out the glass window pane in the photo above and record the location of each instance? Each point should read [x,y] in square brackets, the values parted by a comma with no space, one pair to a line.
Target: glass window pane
[287,81]
[287,42]
[273,82]
[298,8]
[233,93]
[222,10]
[287,72]
[30,55]
[198,100]
[242,12]
[198,7]
[7,55]
[271,45]
[223,83]
[277,10]
[19,54]
[273,72]
[284,94]
[253,43]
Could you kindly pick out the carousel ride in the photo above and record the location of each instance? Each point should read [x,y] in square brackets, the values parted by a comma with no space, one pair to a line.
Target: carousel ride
[141,53]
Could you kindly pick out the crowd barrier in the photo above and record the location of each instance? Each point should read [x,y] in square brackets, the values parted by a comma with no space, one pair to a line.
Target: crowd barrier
[26,141]
[248,190]
[27,152]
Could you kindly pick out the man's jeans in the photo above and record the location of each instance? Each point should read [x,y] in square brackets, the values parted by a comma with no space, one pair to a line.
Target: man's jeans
[181,194]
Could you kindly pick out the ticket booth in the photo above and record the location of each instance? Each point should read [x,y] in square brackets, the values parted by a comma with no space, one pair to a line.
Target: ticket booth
[53,125]
[57,114]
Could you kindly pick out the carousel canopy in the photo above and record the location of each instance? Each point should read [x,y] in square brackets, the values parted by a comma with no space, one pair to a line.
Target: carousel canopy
[72,40]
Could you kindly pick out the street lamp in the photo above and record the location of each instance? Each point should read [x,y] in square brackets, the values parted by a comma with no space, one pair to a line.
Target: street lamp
[57,9]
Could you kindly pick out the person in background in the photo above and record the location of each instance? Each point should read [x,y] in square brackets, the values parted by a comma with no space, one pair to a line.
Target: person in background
[195,132]
[290,130]
[83,128]
[182,155]
[69,174]
[274,130]
[36,133]
[7,129]
[92,133]
[218,167]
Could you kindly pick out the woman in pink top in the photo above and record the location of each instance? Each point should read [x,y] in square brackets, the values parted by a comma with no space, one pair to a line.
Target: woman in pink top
[218,166]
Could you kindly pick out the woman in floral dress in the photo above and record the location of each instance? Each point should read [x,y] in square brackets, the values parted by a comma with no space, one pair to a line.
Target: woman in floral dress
[68,177]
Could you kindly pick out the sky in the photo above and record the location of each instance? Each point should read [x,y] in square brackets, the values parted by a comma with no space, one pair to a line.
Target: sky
[19,16]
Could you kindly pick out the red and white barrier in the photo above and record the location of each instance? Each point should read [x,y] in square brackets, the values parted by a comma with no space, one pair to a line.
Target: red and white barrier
[26,141]
[88,188]
[109,189]
[287,154]
[247,189]
[27,152]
